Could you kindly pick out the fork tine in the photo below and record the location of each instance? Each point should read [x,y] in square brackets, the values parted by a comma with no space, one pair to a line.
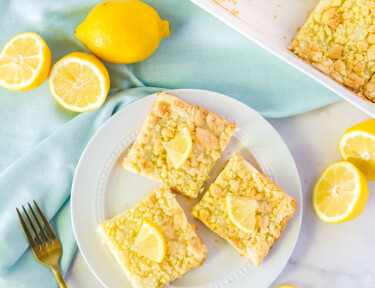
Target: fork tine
[45,221]
[26,230]
[38,240]
[44,235]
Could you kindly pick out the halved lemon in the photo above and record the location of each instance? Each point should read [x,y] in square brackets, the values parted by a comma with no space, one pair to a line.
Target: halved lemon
[357,146]
[241,212]
[25,62]
[341,193]
[79,82]
[286,286]
[179,148]
[150,242]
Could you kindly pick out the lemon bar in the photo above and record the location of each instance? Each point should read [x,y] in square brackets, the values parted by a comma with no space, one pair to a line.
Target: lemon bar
[209,135]
[184,250]
[246,209]
[338,38]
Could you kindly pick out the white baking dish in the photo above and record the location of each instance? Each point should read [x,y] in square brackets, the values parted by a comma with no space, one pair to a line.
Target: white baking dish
[272,24]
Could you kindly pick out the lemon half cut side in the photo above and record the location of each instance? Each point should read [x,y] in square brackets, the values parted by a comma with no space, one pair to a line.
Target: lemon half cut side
[79,82]
[357,146]
[341,193]
[25,62]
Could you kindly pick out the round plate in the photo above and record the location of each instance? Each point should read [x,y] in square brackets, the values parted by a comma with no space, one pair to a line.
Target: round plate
[102,189]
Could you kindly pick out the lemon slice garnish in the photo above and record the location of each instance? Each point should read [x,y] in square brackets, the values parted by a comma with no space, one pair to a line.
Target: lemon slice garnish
[150,242]
[357,146]
[241,212]
[179,148]
[25,62]
[79,82]
[341,193]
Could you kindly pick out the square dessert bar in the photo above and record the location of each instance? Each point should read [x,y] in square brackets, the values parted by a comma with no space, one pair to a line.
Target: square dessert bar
[273,208]
[184,249]
[338,38]
[210,136]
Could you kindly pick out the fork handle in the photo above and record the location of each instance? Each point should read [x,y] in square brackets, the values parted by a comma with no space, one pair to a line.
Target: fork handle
[59,277]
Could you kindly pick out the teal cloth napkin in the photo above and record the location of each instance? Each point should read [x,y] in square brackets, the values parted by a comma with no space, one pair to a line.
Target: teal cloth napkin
[41,143]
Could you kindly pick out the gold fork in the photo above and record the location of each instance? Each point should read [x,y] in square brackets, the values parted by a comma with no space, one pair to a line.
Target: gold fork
[43,241]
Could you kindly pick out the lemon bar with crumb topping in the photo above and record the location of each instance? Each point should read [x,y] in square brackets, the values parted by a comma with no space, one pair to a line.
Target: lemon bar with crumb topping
[246,209]
[184,250]
[208,133]
[338,38]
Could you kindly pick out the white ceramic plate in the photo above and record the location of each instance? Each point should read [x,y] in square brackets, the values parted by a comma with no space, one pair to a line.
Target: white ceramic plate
[272,24]
[102,189]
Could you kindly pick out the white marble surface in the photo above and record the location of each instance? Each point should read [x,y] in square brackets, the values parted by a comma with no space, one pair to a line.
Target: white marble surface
[326,255]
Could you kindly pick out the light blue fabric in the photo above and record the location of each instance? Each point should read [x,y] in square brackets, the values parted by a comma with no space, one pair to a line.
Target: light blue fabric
[41,143]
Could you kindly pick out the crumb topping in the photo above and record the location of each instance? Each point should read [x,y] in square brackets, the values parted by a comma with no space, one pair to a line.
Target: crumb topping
[210,136]
[274,209]
[184,249]
[338,38]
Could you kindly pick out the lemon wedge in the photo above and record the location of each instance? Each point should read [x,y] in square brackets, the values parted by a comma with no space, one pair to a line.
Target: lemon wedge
[79,82]
[341,193]
[25,62]
[179,148]
[150,242]
[241,212]
[357,146]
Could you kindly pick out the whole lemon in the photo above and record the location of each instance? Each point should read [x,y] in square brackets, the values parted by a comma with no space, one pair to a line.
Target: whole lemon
[123,31]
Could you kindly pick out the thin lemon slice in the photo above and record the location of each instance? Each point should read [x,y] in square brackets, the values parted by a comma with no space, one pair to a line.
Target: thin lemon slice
[241,212]
[150,242]
[357,146]
[179,148]
[79,82]
[341,193]
[25,62]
